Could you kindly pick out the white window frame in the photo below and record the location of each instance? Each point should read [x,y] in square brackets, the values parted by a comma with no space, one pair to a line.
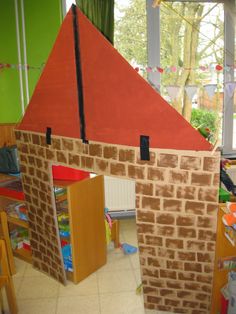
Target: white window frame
[153,56]
[229,57]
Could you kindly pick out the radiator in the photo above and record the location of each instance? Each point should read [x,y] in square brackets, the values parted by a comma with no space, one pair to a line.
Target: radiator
[119,194]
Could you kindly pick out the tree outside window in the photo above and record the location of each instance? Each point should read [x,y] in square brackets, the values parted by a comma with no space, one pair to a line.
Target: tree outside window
[191,54]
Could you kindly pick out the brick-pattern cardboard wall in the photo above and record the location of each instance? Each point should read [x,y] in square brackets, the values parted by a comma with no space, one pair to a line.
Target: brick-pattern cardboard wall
[176,202]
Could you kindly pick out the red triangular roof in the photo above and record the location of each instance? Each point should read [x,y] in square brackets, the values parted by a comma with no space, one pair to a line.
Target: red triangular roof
[119,105]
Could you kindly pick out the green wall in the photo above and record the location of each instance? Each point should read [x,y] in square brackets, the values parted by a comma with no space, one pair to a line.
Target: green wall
[42,22]
[9,80]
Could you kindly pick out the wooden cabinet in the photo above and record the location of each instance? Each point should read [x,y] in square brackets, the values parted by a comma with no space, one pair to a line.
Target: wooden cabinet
[224,249]
[85,209]
[11,198]
[83,203]
[4,233]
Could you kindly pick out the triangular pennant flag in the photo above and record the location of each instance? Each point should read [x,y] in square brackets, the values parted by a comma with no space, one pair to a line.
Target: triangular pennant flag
[230,87]
[210,89]
[173,91]
[191,90]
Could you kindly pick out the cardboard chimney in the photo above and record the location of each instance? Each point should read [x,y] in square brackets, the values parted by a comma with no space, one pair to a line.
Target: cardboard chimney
[97,107]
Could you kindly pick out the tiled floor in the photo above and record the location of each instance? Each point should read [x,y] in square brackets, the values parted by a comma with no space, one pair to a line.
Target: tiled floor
[111,290]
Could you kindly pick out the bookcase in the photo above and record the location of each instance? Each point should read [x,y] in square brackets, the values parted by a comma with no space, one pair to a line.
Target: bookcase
[81,205]
[224,250]
[11,200]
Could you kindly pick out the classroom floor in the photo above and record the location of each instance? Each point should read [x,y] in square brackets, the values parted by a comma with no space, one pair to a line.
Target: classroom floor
[110,290]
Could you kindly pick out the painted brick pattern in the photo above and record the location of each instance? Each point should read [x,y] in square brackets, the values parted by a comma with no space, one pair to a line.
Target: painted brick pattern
[176,199]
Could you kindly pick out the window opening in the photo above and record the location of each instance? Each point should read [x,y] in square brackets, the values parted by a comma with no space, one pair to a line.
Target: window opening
[191,56]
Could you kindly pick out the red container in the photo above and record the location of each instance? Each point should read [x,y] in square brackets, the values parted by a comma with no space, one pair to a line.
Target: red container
[26,246]
[19,195]
[224,305]
[68,174]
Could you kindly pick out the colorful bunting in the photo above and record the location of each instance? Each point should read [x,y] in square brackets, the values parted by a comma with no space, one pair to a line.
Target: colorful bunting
[20,66]
[191,90]
[210,90]
[167,69]
[230,87]
[203,68]
[160,70]
[173,91]
[219,67]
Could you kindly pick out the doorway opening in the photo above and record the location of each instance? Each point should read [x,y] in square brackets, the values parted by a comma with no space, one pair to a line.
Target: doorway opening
[81,200]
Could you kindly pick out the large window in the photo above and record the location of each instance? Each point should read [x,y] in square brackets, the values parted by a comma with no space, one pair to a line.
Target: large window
[229,124]
[187,52]
[191,56]
[130,34]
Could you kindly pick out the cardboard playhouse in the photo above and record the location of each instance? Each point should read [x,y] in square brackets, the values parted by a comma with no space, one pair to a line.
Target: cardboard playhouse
[101,116]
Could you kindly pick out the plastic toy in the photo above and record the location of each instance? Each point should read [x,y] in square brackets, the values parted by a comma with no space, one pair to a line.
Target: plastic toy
[230,218]
[204,131]
[139,289]
[66,253]
[63,224]
[63,218]
[128,249]
[108,232]
[225,178]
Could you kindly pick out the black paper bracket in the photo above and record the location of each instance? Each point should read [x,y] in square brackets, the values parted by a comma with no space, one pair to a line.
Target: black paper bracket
[79,76]
[144,147]
[48,136]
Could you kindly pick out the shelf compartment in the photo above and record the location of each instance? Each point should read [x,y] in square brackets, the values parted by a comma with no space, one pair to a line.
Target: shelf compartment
[69,275]
[12,188]
[85,208]
[23,254]
[18,222]
[60,198]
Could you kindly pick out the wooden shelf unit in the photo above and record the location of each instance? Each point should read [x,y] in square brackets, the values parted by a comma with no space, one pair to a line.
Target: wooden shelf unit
[23,254]
[5,200]
[18,222]
[87,228]
[223,249]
